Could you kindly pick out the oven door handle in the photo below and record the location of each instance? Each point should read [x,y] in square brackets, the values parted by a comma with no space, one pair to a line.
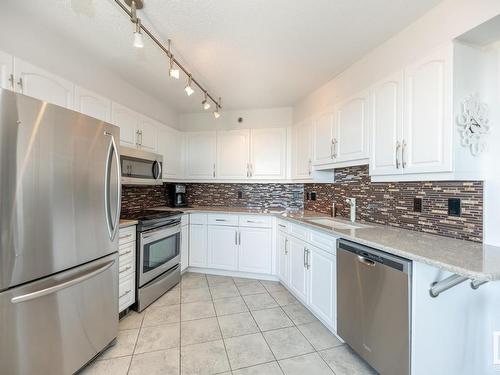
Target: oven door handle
[148,237]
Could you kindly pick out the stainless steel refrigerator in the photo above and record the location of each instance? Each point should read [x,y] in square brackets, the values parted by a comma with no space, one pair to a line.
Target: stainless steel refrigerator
[59,218]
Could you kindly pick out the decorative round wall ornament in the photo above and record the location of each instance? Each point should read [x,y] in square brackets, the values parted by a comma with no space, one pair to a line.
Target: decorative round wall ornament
[473,124]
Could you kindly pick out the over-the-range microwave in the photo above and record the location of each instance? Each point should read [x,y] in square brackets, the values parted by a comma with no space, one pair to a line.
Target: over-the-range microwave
[140,167]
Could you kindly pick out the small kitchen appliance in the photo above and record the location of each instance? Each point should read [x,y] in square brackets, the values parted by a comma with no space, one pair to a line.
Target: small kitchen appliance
[178,195]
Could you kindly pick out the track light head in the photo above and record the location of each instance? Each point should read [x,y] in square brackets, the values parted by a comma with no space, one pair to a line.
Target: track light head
[216,112]
[138,40]
[172,71]
[205,103]
[189,90]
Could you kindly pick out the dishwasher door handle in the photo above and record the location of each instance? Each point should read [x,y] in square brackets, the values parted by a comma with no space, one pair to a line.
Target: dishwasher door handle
[366,261]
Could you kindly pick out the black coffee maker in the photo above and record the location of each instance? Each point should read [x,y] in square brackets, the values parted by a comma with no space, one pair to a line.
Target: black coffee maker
[178,195]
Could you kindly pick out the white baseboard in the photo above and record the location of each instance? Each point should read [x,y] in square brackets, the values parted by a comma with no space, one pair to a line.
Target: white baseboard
[247,275]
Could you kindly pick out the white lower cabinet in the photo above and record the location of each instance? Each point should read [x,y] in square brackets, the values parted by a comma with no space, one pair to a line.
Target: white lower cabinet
[126,267]
[322,284]
[255,250]
[184,247]
[283,258]
[298,271]
[223,247]
[198,245]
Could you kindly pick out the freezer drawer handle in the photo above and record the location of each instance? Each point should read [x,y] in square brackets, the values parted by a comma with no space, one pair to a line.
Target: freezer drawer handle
[63,285]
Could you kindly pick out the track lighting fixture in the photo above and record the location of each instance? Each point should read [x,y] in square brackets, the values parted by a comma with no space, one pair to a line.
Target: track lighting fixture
[138,41]
[172,71]
[205,103]
[175,66]
[189,90]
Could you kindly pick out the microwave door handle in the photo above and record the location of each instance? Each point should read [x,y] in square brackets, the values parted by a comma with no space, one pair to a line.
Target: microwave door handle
[112,152]
[156,170]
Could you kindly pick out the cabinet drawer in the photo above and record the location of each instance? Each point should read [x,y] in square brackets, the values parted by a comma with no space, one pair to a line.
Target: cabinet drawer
[256,221]
[126,266]
[126,292]
[298,231]
[128,248]
[222,219]
[184,219]
[198,218]
[126,235]
[283,225]
[324,241]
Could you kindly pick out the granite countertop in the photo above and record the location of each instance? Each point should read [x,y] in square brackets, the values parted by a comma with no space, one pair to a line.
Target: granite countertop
[127,223]
[474,260]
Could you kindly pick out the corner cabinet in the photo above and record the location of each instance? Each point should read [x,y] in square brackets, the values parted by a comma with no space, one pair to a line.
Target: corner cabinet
[201,155]
[324,133]
[268,153]
[302,150]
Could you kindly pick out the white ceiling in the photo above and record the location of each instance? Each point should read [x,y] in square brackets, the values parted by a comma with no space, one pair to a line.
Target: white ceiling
[255,54]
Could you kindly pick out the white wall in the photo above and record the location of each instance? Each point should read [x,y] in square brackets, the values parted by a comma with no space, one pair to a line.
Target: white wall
[252,118]
[440,25]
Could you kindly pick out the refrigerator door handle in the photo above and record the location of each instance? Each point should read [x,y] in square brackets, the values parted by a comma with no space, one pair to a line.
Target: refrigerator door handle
[63,285]
[112,150]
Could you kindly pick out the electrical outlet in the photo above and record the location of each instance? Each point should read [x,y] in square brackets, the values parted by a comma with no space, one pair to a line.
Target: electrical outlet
[240,194]
[454,207]
[417,204]
[313,195]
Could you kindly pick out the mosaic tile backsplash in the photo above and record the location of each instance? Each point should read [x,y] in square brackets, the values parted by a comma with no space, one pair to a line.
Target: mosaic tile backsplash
[382,203]
[392,203]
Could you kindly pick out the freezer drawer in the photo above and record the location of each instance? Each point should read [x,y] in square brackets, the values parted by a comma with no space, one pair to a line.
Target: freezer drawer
[57,324]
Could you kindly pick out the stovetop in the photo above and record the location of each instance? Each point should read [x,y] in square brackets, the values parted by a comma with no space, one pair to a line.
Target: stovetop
[150,215]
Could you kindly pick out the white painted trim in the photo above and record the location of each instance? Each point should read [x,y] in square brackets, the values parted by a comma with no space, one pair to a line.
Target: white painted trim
[350,163]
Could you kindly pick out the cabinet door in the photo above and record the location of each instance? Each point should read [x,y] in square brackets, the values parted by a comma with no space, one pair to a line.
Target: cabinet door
[427,116]
[232,154]
[35,82]
[386,126]
[283,265]
[298,271]
[302,150]
[170,144]
[6,71]
[223,247]
[198,245]
[255,252]
[92,104]
[200,155]
[323,138]
[184,247]
[148,134]
[351,136]
[127,120]
[268,153]
[323,284]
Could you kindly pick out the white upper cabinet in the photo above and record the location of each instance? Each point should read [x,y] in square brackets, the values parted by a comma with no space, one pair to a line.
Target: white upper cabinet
[233,154]
[200,155]
[35,82]
[6,71]
[350,138]
[147,134]
[386,122]
[92,104]
[302,151]
[427,136]
[127,120]
[268,153]
[170,145]
[324,130]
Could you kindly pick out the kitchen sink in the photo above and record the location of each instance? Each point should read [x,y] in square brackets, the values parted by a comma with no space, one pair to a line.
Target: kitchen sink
[335,224]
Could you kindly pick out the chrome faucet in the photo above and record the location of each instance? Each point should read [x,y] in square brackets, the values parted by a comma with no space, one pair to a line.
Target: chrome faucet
[352,204]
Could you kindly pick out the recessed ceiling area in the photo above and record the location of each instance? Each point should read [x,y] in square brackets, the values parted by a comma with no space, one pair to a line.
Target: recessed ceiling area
[255,54]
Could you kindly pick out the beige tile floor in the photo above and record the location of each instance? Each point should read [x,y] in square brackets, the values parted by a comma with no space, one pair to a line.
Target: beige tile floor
[222,325]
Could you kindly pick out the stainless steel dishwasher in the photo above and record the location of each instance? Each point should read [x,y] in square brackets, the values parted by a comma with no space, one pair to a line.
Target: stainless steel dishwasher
[373,306]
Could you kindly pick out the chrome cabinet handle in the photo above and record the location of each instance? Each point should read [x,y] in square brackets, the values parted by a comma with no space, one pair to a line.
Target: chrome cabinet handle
[20,83]
[254,222]
[126,236]
[286,246]
[11,81]
[124,294]
[248,170]
[125,253]
[239,238]
[125,269]
[220,220]
[236,237]
[282,226]
[213,171]
[403,153]
[398,147]
[137,142]
[62,285]
[331,149]
[304,256]
[335,148]
[310,167]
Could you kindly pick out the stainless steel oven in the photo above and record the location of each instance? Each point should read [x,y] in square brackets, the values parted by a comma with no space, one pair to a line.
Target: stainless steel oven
[158,251]
[140,167]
